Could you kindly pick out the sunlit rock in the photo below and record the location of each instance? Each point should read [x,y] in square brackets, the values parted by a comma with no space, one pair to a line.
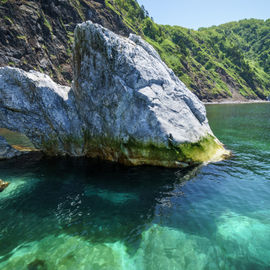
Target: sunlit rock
[32,104]
[125,106]
[136,109]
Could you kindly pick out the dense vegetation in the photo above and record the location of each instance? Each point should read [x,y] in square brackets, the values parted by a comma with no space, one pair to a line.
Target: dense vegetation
[217,62]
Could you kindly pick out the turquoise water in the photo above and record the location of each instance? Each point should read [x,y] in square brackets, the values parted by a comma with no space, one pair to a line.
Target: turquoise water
[75,214]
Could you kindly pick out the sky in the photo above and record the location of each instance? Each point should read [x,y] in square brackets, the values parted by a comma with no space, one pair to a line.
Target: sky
[205,13]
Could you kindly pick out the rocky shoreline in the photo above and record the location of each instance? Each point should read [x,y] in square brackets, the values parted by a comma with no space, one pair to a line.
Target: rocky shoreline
[236,102]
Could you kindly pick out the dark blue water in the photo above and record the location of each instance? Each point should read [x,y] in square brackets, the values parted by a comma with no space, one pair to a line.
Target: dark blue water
[76,214]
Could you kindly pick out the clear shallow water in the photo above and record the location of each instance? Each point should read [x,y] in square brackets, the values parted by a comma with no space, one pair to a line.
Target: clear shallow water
[67,214]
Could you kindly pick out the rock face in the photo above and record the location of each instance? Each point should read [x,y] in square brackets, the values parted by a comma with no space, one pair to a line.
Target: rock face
[125,106]
[7,151]
[38,34]
[32,104]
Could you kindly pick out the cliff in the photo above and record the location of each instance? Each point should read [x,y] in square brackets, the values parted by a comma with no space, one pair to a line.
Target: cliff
[229,61]
[38,35]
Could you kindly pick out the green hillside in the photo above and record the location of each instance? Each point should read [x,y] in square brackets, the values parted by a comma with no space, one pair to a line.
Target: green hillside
[227,61]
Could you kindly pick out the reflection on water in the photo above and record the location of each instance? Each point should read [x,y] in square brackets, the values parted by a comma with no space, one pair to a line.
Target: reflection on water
[76,214]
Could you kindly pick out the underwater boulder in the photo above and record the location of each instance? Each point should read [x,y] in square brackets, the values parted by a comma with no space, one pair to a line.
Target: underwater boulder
[68,252]
[244,237]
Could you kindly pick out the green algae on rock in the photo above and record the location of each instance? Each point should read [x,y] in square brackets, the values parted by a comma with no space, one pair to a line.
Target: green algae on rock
[135,152]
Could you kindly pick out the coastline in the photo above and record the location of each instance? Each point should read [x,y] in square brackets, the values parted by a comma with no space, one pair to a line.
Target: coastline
[236,102]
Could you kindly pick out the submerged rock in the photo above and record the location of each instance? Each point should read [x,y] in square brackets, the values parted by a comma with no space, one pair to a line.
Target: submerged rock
[3,185]
[166,248]
[68,252]
[244,237]
[125,106]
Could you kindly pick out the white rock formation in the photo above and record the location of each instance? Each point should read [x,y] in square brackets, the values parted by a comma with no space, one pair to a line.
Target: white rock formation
[130,92]
[131,97]
[32,104]
[125,105]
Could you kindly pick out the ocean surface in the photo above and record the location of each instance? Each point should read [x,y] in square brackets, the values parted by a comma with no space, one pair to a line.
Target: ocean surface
[78,215]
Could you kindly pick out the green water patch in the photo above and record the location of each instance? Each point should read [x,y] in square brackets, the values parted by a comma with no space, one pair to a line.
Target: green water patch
[161,248]
[75,214]
[238,124]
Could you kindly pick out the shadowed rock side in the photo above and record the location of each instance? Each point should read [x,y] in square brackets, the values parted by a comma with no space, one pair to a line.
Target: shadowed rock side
[125,106]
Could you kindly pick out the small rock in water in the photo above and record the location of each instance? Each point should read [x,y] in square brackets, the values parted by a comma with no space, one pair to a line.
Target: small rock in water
[3,185]
[37,265]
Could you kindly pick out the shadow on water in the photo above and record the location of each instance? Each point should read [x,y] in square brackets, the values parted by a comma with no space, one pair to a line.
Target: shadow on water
[100,202]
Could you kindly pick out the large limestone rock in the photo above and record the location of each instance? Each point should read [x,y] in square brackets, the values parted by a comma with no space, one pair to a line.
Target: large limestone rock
[136,109]
[125,106]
